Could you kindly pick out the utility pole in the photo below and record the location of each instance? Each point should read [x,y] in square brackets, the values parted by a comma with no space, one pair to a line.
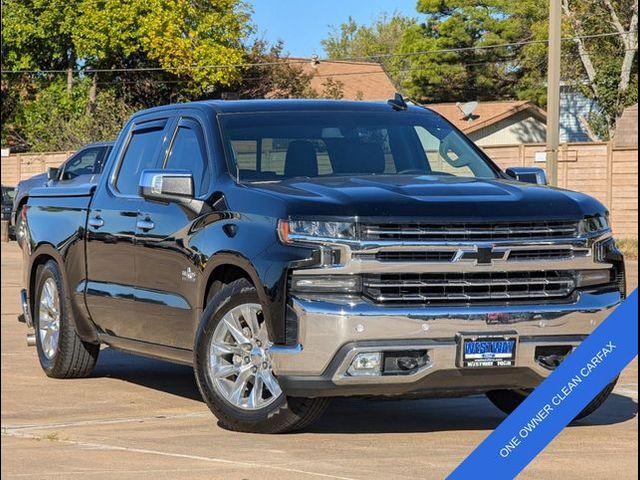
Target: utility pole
[553,91]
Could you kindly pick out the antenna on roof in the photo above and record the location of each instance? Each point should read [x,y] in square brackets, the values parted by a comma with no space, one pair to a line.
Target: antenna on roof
[467,110]
[397,102]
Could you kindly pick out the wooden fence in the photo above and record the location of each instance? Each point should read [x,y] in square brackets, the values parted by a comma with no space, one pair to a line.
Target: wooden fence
[21,166]
[597,168]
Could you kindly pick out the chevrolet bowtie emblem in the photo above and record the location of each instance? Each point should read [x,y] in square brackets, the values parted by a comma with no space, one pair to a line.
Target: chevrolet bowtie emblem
[481,255]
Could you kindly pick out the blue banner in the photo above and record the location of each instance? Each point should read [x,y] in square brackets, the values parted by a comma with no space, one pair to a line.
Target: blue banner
[559,399]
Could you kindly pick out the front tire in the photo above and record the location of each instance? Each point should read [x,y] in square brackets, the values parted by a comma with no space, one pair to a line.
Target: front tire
[233,367]
[509,400]
[61,352]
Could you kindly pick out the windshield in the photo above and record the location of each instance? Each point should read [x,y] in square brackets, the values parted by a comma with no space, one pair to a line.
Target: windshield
[278,146]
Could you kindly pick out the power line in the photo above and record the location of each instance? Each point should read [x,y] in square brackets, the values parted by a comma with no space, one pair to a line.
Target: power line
[485,47]
[293,61]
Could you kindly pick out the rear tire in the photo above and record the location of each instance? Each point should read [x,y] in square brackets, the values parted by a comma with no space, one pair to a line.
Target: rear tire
[61,352]
[509,400]
[233,367]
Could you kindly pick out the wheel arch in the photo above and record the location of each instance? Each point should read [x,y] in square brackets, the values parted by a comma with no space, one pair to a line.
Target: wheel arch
[228,266]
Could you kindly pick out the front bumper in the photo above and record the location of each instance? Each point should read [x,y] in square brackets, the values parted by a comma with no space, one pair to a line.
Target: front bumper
[332,331]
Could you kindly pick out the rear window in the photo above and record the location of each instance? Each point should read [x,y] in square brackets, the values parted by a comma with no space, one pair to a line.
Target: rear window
[283,145]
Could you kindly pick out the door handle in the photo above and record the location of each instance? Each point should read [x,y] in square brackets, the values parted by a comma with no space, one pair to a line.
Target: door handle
[96,222]
[145,225]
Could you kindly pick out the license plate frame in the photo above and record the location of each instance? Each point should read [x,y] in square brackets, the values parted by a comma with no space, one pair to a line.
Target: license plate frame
[487,350]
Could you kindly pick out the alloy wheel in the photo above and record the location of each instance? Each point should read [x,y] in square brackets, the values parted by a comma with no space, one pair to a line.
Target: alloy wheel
[49,318]
[240,365]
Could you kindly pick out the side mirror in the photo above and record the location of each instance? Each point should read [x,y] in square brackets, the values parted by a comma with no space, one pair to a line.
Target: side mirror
[528,175]
[52,174]
[167,186]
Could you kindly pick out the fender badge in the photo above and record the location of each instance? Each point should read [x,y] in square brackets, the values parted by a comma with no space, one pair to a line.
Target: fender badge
[188,275]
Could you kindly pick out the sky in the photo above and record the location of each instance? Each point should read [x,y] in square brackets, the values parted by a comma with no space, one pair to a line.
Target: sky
[302,24]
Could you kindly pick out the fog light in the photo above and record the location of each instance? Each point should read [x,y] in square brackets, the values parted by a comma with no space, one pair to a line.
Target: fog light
[588,278]
[369,363]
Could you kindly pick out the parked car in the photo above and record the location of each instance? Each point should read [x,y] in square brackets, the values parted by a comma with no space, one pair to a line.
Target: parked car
[292,251]
[7,203]
[82,167]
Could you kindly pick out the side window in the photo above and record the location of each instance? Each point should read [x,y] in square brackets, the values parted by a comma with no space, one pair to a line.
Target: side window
[141,154]
[101,160]
[82,164]
[188,153]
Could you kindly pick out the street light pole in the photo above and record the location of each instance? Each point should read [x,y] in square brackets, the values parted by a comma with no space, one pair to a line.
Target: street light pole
[553,91]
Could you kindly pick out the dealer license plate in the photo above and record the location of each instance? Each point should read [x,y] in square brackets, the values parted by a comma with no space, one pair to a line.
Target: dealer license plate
[488,351]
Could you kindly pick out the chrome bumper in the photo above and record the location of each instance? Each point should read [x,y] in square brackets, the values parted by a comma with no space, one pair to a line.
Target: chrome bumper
[332,331]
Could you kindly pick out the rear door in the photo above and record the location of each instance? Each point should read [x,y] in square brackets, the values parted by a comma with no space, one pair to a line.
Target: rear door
[111,228]
[167,265]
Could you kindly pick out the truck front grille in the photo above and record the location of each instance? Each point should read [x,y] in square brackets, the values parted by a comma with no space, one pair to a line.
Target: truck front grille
[431,256]
[470,231]
[434,288]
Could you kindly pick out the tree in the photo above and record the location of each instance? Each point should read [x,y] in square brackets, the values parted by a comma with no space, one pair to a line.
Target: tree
[609,64]
[55,120]
[497,49]
[353,41]
[600,60]
[140,53]
[478,61]
[199,43]
[332,89]
[271,74]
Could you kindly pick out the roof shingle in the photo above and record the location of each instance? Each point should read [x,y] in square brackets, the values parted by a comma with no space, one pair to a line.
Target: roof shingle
[360,80]
[486,114]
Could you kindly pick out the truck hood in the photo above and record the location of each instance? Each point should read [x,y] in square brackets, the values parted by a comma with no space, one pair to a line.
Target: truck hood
[425,196]
[36,181]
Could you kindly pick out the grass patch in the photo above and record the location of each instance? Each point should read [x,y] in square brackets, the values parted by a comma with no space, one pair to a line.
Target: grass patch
[629,247]
[52,437]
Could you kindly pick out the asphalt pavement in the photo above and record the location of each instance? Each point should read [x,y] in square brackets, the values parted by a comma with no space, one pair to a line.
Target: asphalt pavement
[144,419]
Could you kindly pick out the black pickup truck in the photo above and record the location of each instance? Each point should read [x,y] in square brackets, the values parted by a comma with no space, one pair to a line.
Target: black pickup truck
[293,251]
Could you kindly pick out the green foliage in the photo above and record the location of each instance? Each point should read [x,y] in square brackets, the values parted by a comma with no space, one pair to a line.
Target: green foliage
[606,54]
[463,69]
[352,41]
[475,72]
[275,79]
[148,52]
[332,89]
[37,34]
[55,120]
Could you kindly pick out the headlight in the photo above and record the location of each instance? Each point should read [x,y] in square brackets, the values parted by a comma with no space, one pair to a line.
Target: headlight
[594,224]
[325,284]
[290,230]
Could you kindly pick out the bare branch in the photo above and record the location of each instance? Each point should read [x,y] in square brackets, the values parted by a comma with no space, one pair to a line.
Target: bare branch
[585,58]
[630,42]
[615,21]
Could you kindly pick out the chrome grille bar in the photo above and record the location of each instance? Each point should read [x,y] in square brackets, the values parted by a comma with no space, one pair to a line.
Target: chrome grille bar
[470,231]
[446,287]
